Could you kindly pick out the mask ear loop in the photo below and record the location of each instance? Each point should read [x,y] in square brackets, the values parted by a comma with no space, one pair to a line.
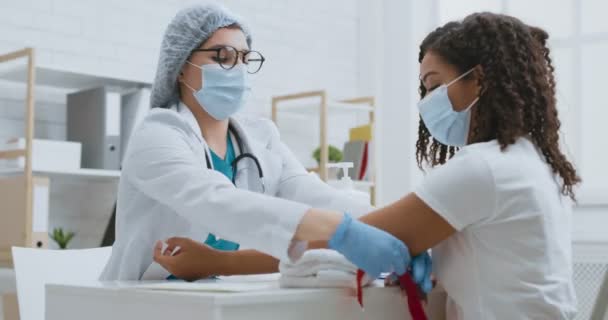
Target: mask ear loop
[470,105]
[453,81]
[460,76]
[187,86]
[470,115]
[184,82]
[192,64]
[468,109]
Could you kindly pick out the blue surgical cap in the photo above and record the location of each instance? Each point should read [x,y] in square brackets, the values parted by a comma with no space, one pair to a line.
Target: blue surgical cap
[187,31]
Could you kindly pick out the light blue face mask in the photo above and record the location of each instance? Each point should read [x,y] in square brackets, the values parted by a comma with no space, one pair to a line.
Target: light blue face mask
[224,92]
[446,125]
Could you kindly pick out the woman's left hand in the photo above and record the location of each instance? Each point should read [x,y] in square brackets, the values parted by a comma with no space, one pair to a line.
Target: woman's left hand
[191,261]
[420,269]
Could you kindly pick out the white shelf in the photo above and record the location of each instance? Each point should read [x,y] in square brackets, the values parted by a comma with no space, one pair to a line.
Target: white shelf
[55,77]
[332,106]
[356,183]
[87,174]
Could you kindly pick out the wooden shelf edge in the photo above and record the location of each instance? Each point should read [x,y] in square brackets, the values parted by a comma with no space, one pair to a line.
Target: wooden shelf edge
[81,173]
[25,52]
[12,154]
[331,106]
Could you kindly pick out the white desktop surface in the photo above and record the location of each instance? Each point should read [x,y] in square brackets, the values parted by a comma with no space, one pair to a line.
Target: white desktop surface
[128,300]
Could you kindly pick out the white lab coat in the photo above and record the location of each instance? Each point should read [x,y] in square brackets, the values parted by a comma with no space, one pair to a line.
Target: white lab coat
[166,190]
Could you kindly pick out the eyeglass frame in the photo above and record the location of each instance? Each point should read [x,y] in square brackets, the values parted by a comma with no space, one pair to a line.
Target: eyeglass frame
[241,54]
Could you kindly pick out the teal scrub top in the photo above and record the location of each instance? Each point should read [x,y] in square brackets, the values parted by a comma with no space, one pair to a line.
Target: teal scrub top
[224,166]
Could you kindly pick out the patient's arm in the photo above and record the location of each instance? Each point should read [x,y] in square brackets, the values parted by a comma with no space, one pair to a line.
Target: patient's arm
[412,221]
[195,260]
[408,219]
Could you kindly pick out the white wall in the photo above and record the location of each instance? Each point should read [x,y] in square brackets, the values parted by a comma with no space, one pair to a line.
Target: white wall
[578,38]
[400,27]
[385,61]
[309,45]
[348,47]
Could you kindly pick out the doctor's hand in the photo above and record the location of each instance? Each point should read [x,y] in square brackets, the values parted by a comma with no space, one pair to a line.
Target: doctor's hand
[192,260]
[371,249]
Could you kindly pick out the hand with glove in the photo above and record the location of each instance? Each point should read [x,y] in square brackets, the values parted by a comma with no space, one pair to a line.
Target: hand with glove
[371,249]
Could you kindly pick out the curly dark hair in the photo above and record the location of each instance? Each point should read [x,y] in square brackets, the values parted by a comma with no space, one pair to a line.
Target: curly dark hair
[517,85]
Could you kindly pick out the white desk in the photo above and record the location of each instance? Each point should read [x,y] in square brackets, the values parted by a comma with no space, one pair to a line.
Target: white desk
[122,300]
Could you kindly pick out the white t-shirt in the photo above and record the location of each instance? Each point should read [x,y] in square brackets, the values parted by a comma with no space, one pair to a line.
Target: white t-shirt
[511,257]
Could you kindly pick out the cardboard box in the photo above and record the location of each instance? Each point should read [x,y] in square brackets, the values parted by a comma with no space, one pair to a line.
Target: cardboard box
[362,133]
[18,227]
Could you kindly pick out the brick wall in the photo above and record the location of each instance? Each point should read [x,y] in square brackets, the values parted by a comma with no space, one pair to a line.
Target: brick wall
[309,45]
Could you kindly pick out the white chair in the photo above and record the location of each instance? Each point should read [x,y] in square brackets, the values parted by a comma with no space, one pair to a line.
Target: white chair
[34,268]
[590,280]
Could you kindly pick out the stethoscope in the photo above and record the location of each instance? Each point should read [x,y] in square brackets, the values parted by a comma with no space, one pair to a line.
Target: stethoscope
[240,157]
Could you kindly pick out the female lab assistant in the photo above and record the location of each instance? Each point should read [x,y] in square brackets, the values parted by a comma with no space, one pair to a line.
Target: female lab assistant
[195,169]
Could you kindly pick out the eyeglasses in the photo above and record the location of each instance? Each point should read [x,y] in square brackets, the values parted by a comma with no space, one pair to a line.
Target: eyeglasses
[227,57]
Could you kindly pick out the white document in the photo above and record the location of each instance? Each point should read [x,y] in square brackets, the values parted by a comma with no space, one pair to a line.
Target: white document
[269,277]
[215,286]
[223,284]
[155,272]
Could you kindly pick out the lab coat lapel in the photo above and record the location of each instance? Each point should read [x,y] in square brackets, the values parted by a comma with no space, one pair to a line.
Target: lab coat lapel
[246,174]
[191,120]
[245,170]
[256,144]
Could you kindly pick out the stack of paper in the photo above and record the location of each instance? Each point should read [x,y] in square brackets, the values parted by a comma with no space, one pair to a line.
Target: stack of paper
[222,284]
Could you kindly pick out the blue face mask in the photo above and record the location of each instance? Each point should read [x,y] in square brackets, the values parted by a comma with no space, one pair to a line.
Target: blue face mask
[446,125]
[224,92]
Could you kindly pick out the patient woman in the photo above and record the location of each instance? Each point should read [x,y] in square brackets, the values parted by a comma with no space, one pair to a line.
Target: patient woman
[496,208]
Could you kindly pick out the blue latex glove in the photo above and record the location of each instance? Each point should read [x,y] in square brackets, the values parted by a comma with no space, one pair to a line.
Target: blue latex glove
[421,268]
[371,249]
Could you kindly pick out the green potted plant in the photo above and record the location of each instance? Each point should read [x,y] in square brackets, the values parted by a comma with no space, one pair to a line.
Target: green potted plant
[61,238]
[335,155]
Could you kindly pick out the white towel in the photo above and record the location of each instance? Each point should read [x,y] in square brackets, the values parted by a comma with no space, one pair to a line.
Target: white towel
[313,261]
[320,268]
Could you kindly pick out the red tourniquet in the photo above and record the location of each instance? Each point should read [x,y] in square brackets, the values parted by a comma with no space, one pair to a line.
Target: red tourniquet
[411,290]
